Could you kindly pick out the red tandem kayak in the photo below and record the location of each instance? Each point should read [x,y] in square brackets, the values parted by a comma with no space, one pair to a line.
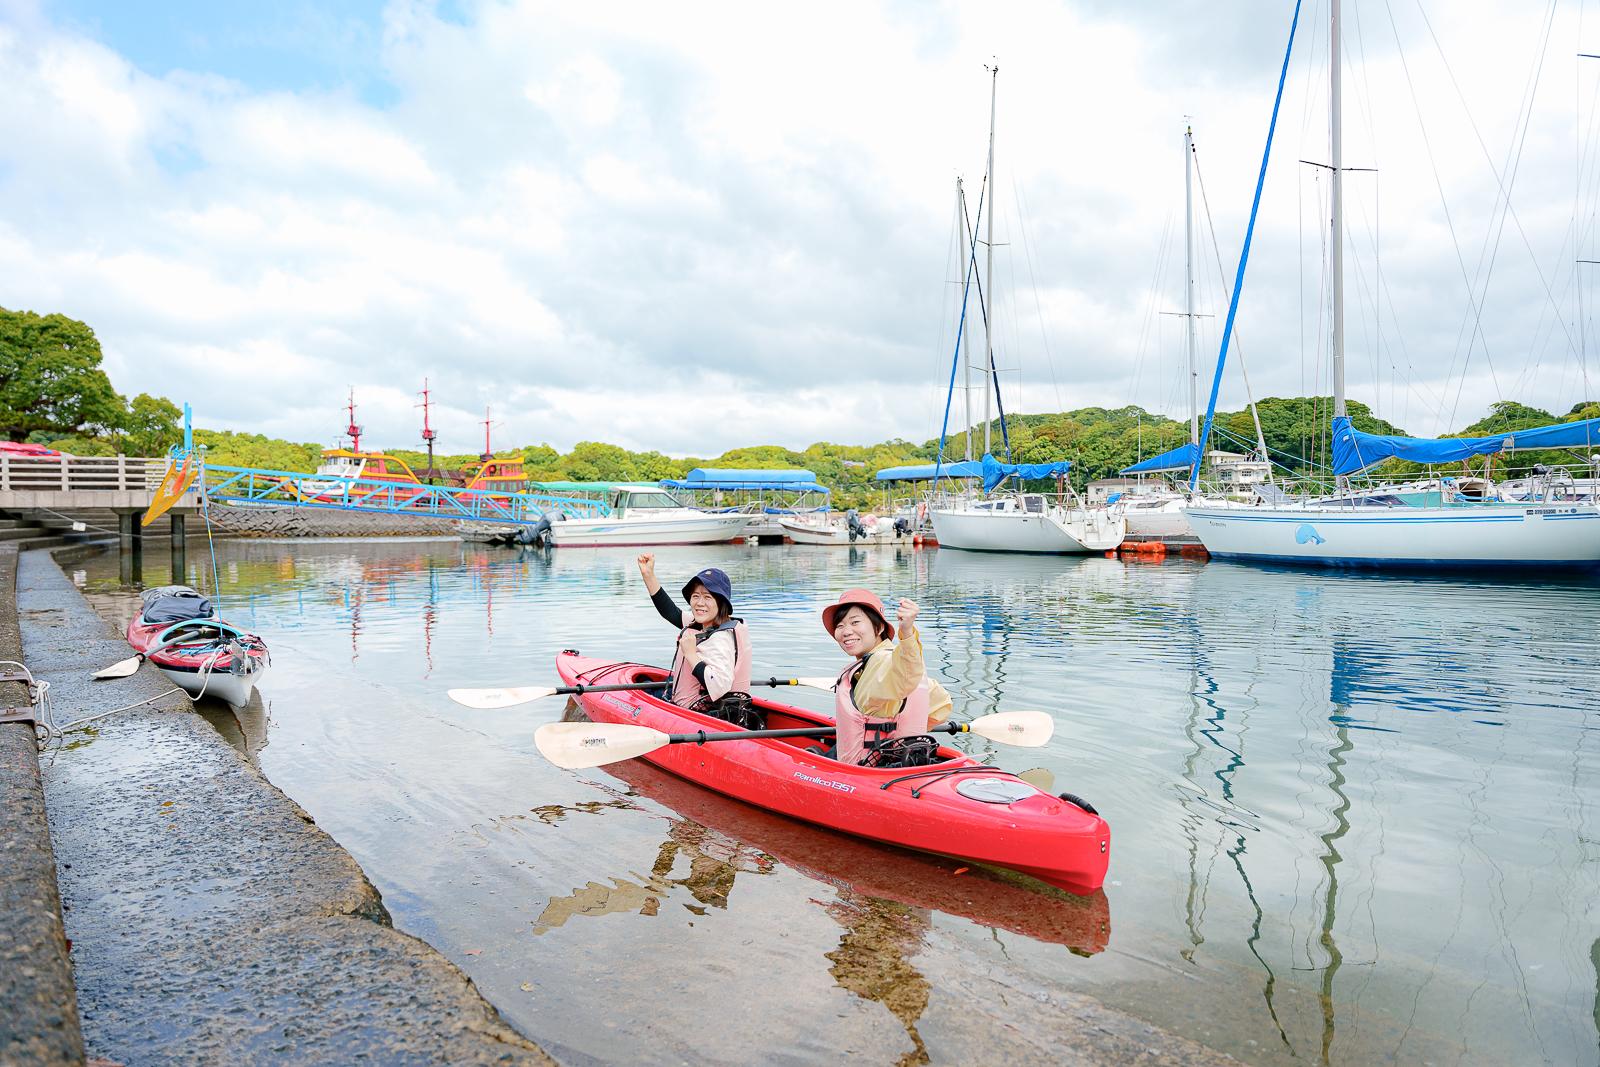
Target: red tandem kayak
[958,807]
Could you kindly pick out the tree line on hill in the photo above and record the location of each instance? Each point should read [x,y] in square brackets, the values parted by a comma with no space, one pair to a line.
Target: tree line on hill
[53,391]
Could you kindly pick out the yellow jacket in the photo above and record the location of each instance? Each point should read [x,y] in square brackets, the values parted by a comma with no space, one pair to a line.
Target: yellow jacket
[891,673]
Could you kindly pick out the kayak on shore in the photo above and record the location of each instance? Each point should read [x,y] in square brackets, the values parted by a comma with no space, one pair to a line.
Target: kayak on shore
[178,630]
[955,806]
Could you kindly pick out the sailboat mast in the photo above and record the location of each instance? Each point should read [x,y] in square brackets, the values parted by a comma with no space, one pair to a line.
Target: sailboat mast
[1337,227]
[429,434]
[352,429]
[966,391]
[1188,270]
[988,274]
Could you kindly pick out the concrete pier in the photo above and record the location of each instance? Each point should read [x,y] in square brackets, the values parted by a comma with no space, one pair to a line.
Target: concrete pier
[210,920]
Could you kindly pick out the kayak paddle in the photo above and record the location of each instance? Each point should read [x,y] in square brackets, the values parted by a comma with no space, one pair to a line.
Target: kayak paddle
[506,698]
[123,668]
[574,745]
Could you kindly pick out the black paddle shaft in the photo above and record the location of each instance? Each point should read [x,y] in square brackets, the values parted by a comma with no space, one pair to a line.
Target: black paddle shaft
[579,690]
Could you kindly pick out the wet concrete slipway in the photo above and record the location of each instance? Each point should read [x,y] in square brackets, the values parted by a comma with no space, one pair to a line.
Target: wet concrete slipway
[211,921]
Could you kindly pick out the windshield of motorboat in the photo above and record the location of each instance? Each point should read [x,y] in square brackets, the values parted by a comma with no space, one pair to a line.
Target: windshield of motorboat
[636,501]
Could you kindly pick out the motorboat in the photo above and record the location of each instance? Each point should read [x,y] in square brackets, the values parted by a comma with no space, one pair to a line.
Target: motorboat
[646,515]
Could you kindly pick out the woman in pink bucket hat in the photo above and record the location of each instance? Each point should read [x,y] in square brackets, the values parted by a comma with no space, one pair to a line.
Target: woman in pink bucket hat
[884,691]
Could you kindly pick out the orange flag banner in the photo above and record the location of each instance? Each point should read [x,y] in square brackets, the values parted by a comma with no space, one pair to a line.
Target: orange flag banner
[174,483]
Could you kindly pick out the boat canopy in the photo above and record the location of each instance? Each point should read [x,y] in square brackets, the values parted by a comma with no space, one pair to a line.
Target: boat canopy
[577,487]
[1355,450]
[1180,458]
[798,481]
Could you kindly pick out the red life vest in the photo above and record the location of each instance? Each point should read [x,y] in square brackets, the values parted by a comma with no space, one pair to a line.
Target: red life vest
[851,723]
[686,688]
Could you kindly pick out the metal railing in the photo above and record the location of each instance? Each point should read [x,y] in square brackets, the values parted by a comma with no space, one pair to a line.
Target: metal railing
[248,486]
[67,473]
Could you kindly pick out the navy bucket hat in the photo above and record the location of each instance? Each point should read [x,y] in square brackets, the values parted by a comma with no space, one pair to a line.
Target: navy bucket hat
[716,583]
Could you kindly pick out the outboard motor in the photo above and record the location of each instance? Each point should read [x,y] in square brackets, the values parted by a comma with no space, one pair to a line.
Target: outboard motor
[902,527]
[537,534]
[852,522]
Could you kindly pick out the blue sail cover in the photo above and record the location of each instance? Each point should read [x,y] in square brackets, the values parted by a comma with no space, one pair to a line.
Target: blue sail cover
[922,472]
[1355,450]
[1180,458]
[995,472]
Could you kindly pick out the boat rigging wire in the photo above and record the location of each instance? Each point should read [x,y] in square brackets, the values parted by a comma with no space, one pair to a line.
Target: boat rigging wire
[1027,249]
[1244,255]
[1488,255]
[983,309]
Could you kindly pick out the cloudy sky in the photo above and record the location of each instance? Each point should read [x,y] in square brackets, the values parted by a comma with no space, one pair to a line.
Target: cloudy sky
[693,226]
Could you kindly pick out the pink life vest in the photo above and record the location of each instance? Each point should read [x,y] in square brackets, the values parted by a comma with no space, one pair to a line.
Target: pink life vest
[851,723]
[687,692]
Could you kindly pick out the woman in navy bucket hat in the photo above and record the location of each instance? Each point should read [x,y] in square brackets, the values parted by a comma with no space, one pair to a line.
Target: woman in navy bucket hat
[711,665]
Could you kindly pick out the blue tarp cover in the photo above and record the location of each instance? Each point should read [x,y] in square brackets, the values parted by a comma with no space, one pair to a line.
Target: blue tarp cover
[986,469]
[924,471]
[722,478]
[1354,450]
[1179,459]
[995,472]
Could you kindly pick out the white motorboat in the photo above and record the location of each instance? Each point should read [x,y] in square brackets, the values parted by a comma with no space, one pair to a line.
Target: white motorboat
[647,515]
[835,531]
[1155,517]
[1027,522]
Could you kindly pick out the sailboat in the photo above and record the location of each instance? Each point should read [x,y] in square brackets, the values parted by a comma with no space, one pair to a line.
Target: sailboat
[1352,531]
[1017,522]
[1158,514]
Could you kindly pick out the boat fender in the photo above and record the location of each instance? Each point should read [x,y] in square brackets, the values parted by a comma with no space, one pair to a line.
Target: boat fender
[1071,798]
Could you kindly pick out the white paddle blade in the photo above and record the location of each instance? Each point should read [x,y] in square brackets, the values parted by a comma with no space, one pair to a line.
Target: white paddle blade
[1040,778]
[817,683]
[122,668]
[499,698]
[1025,729]
[574,745]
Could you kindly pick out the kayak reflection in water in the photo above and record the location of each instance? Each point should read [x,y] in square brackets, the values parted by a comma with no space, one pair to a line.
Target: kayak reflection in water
[884,691]
[711,664]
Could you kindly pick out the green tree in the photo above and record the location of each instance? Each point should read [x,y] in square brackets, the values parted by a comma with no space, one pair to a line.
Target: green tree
[152,425]
[50,377]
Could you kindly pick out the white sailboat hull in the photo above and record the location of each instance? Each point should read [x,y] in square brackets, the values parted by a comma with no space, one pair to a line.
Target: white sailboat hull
[692,528]
[1489,535]
[1022,531]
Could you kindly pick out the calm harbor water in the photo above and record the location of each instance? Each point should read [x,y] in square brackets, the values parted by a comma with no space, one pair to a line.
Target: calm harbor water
[1355,818]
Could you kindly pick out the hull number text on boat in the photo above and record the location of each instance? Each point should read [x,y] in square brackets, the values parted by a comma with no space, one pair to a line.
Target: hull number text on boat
[840,786]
